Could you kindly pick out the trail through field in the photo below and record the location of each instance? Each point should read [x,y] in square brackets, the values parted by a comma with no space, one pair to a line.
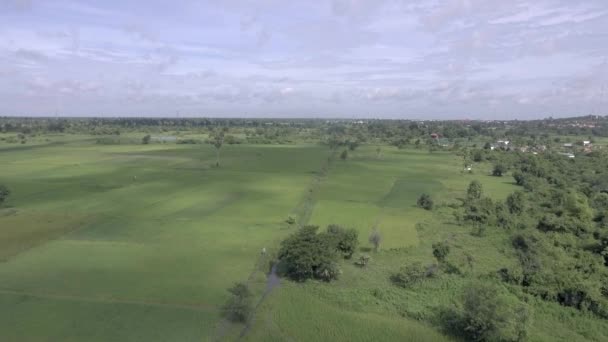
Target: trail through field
[303,212]
[272,282]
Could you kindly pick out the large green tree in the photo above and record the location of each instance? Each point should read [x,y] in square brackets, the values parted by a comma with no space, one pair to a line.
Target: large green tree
[307,254]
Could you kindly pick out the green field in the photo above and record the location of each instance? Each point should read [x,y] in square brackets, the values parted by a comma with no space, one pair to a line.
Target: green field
[140,242]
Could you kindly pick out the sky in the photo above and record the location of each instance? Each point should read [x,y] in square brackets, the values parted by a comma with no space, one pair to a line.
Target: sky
[416,59]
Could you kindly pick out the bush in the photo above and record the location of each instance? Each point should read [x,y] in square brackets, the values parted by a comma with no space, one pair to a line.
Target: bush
[425,201]
[499,170]
[489,315]
[412,274]
[4,193]
[238,308]
[146,139]
[344,155]
[441,251]
[474,191]
[363,260]
[343,240]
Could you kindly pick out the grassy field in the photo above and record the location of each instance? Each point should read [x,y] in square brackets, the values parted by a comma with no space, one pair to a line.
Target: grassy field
[140,242]
[152,234]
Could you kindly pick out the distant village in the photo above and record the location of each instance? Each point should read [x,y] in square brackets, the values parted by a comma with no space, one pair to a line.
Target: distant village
[567,149]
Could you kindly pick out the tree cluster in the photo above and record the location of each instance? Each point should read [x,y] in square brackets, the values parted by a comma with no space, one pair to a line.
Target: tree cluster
[308,254]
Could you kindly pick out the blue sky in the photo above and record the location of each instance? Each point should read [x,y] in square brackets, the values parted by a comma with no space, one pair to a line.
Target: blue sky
[476,59]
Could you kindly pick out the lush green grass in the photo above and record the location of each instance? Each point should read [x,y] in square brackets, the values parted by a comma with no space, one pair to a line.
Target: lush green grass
[123,227]
[363,304]
[140,242]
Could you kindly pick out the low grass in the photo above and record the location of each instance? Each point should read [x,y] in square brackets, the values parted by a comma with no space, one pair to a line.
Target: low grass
[140,242]
[138,229]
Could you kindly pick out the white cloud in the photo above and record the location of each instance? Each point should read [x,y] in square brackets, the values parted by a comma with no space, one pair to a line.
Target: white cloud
[334,57]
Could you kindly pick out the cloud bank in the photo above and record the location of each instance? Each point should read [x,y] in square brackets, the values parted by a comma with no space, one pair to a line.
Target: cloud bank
[477,59]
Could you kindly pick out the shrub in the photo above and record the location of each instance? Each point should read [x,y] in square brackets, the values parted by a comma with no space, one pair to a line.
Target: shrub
[499,170]
[441,251]
[239,306]
[4,193]
[412,274]
[343,240]
[290,220]
[146,139]
[474,191]
[489,315]
[425,201]
[363,260]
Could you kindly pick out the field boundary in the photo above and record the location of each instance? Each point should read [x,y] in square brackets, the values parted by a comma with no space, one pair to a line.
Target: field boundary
[109,300]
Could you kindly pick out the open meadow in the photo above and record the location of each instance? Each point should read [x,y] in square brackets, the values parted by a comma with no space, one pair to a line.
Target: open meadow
[140,242]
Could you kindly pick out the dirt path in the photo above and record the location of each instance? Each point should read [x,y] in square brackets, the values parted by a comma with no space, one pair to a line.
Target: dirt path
[272,282]
[303,212]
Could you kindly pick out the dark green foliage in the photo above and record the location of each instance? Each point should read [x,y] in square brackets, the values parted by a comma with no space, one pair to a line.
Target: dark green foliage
[232,140]
[478,156]
[441,251]
[4,193]
[474,191]
[516,202]
[487,146]
[519,177]
[490,315]
[481,211]
[306,254]
[343,240]
[499,170]
[412,274]
[425,201]
[239,306]
[344,155]
[146,139]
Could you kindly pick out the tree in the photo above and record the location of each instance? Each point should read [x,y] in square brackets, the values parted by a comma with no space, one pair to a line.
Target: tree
[474,191]
[499,170]
[146,139]
[306,254]
[343,240]
[238,307]
[375,238]
[217,140]
[4,193]
[441,251]
[487,146]
[425,201]
[516,202]
[344,155]
[378,150]
[478,156]
[519,177]
[490,315]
